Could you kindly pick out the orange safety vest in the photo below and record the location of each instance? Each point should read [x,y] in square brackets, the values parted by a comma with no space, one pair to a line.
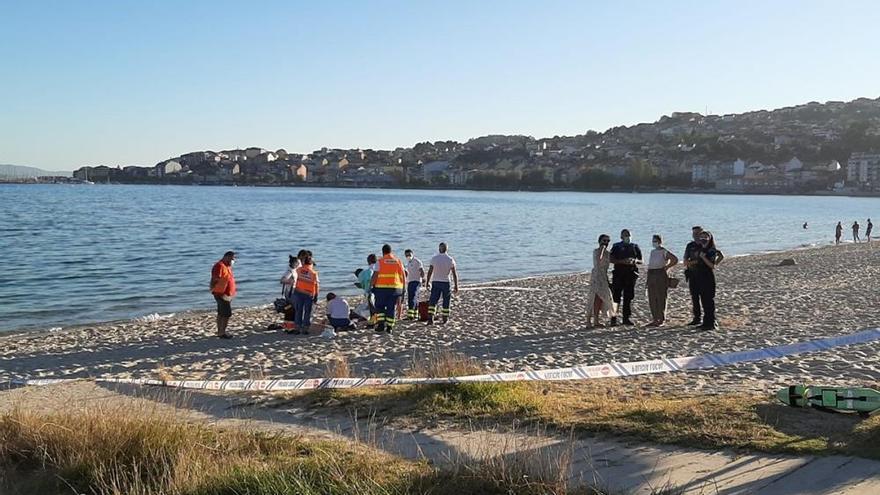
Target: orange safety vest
[307,280]
[390,274]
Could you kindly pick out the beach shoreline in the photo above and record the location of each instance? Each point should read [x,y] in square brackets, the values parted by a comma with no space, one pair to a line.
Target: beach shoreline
[523,323]
[38,329]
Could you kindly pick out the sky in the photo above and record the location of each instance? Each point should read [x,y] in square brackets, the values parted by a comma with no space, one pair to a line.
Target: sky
[133,83]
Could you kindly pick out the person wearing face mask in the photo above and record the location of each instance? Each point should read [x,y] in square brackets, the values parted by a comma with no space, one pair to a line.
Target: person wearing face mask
[223,290]
[702,276]
[659,262]
[288,282]
[690,260]
[625,256]
[415,274]
[599,298]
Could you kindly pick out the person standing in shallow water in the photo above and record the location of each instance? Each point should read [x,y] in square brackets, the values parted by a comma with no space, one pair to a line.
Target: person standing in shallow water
[659,262]
[838,232]
[855,229]
[868,229]
[223,290]
[625,256]
[599,300]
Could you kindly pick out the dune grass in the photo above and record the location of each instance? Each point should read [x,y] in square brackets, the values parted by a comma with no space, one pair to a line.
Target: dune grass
[123,451]
[622,407]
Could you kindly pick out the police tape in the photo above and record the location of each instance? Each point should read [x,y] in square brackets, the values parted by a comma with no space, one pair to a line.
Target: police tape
[585,372]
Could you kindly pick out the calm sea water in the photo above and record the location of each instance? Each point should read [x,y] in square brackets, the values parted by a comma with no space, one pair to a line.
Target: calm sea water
[77,254]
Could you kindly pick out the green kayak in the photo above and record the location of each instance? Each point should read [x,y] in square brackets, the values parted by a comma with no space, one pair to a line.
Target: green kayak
[861,400]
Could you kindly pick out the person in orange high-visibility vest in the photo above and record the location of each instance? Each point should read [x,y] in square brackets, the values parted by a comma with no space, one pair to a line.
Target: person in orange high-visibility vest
[223,290]
[305,294]
[387,283]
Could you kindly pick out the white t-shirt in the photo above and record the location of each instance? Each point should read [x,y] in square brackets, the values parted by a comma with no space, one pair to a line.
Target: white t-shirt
[414,270]
[338,308]
[443,265]
[657,259]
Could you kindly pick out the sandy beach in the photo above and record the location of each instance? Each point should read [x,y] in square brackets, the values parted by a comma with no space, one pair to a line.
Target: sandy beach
[511,325]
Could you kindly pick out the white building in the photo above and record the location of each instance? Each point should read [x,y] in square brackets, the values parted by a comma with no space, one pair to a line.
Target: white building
[714,172]
[863,169]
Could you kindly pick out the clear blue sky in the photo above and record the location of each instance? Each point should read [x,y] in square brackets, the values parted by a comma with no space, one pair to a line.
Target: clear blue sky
[135,82]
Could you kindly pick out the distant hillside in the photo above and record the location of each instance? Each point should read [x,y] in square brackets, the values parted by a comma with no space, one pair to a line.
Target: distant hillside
[18,171]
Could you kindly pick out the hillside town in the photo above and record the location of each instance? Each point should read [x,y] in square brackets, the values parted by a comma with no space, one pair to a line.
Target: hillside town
[815,147]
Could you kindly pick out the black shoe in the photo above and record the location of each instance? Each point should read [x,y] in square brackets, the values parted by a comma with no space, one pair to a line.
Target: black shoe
[695,323]
[613,322]
[709,327]
[429,322]
[444,320]
[628,323]
[389,330]
[380,328]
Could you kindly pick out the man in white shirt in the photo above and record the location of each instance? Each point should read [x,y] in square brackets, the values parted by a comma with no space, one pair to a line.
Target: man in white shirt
[415,274]
[442,266]
[338,313]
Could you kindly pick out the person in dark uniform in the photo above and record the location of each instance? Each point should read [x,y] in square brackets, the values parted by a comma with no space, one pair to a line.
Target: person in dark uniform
[690,260]
[702,277]
[625,256]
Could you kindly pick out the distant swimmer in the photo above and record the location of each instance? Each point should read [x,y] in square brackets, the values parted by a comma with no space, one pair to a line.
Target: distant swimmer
[838,232]
[805,225]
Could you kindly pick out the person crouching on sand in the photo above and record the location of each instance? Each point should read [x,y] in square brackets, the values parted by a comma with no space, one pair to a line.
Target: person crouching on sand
[223,289]
[660,260]
[339,313]
[599,298]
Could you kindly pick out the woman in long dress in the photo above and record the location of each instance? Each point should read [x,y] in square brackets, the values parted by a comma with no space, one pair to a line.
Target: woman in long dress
[599,297]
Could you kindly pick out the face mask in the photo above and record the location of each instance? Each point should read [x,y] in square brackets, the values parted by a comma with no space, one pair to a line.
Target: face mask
[409,258]
[231,262]
[704,242]
[626,239]
[656,245]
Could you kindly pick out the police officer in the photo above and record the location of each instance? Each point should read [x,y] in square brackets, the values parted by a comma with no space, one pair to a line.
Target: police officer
[387,283]
[625,256]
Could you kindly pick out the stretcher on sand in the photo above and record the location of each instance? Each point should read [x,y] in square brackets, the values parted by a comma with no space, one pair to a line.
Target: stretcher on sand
[864,401]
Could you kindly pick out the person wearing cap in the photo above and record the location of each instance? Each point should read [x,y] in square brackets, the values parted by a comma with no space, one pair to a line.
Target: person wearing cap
[223,290]
[625,256]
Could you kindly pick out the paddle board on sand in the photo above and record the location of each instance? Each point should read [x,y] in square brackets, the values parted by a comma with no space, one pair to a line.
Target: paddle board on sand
[861,400]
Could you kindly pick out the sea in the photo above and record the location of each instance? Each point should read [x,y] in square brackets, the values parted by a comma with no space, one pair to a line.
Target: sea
[77,254]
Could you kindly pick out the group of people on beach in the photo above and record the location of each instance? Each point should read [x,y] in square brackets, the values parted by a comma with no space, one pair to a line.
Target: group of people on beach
[613,299]
[838,231]
[384,282]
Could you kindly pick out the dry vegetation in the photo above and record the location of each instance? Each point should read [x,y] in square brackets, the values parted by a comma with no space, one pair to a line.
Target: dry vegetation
[116,452]
[623,407]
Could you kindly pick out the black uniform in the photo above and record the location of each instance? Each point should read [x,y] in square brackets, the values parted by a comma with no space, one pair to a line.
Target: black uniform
[702,284]
[690,255]
[623,277]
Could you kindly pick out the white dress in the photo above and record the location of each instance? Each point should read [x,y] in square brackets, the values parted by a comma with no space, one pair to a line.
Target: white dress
[599,285]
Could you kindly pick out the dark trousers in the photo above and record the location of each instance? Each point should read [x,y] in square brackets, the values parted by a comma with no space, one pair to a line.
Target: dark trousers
[695,299]
[302,310]
[386,305]
[412,289]
[623,288]
[703,294]
[439,290]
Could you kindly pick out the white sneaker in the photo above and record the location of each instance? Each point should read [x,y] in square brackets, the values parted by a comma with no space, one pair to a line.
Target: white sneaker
[328,333]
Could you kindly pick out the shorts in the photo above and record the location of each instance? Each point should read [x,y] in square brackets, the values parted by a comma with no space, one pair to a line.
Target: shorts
[224,307]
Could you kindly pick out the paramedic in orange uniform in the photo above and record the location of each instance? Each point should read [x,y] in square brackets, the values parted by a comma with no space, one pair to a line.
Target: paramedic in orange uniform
[387,284]
[305,294]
